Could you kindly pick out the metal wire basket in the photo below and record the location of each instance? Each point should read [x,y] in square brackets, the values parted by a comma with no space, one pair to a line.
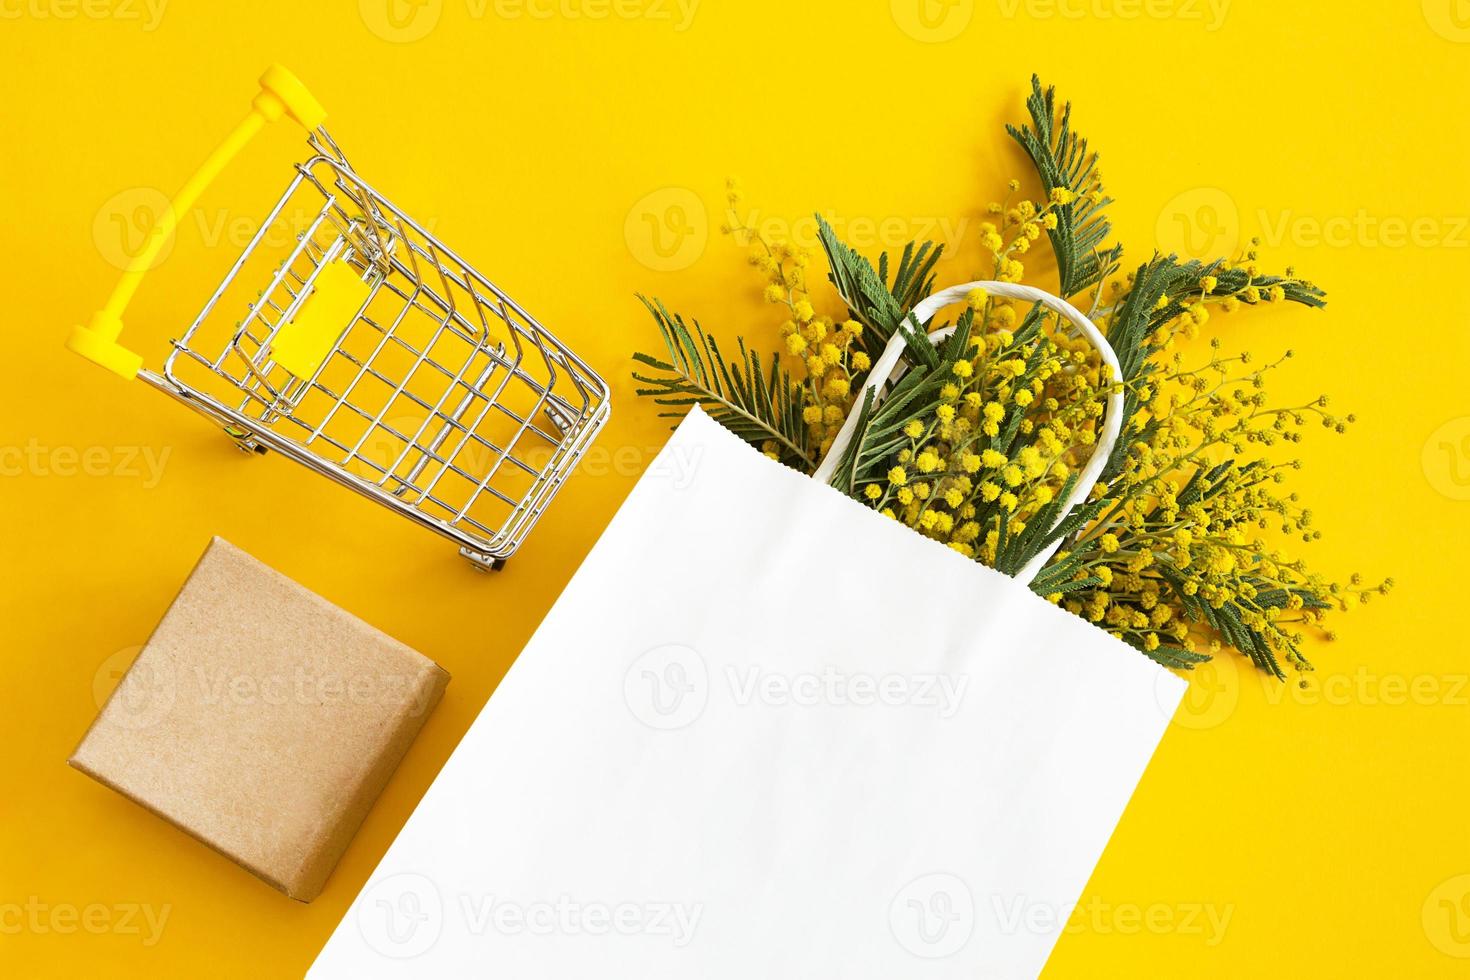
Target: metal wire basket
[372,353]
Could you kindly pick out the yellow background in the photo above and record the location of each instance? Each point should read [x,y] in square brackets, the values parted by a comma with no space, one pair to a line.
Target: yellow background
[578,159]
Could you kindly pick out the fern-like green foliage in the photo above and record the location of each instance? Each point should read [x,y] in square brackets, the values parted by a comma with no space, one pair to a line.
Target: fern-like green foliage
[761,406]
[879,304]
[1203,485]
[879,432]
[1063,160]
[759,400]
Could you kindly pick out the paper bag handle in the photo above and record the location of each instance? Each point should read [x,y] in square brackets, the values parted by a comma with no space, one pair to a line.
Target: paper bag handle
[887,370]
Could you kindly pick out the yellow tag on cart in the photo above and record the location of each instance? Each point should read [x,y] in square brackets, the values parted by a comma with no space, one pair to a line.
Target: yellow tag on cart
[306,340]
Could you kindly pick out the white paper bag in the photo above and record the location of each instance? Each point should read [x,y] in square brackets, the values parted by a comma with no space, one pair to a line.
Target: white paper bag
[766,733]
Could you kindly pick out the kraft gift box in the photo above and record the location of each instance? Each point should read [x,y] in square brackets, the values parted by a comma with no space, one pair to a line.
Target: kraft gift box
[262,720]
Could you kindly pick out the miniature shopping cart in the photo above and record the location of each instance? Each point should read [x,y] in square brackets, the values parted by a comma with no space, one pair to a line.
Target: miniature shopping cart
[370,353]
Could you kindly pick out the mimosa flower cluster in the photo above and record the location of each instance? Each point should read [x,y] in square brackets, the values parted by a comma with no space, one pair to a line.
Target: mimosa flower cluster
[1184,547]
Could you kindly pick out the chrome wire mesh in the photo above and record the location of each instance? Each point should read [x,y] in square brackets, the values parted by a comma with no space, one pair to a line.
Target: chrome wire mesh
[441,397]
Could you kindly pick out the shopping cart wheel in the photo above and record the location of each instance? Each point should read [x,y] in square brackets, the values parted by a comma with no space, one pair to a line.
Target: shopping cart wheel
[244,442]
[483,563]
[561,420]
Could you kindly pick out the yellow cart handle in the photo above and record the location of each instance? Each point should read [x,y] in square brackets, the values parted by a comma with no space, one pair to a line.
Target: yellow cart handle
[281,94]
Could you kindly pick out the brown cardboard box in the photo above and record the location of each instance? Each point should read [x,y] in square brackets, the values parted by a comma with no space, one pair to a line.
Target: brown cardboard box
[262,720]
